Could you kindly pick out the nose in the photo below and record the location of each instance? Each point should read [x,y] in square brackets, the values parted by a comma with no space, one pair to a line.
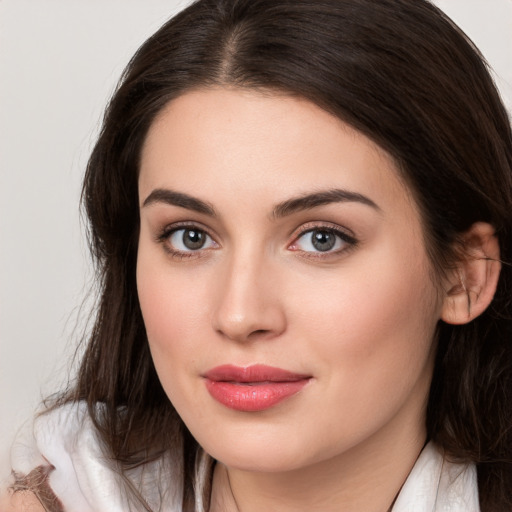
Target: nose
[249,305]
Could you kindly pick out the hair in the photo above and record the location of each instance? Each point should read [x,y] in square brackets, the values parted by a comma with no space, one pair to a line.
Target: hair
[404,75]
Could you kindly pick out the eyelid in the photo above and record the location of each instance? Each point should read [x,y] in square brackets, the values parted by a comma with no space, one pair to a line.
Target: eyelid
[165,233]
[347,235]
[328,226]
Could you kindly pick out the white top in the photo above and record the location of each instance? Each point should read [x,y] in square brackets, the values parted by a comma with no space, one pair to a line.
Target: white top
[84,481]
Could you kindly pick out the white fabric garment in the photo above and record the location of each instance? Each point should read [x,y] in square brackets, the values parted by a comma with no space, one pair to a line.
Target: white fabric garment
[437,485]
[84,481]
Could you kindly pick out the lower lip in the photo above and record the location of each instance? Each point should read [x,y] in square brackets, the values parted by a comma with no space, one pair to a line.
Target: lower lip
[251,397]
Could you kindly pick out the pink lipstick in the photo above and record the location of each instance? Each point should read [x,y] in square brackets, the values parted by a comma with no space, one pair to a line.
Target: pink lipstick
[252,388]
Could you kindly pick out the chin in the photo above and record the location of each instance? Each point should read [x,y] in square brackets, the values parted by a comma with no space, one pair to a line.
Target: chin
[261,463]
[261,452]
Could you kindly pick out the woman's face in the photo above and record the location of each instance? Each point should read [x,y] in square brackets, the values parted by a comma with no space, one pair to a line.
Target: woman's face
[283,280]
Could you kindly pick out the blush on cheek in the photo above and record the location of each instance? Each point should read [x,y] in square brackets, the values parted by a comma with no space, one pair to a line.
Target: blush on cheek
[164,318]
[173,309]
[377,317]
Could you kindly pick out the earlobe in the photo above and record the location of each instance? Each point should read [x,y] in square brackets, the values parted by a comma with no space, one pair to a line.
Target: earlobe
[474,281]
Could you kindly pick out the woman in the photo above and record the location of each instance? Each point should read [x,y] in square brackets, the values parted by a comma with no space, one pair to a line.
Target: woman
[300,212]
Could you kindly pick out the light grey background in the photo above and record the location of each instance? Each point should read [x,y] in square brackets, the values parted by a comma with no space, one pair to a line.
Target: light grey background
[59,62]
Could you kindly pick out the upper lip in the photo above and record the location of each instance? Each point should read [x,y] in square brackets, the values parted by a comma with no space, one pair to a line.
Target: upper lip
[254,373]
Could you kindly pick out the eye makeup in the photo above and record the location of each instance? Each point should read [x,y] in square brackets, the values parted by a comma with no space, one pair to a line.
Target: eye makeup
[314,240]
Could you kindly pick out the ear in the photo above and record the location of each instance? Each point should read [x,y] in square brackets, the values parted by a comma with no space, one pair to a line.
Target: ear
[473,282]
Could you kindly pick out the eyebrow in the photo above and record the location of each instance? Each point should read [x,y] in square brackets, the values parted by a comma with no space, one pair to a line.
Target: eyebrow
[283,209]
[171,197]
[309,201]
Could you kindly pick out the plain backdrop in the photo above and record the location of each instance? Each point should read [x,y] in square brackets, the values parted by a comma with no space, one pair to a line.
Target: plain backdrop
[59,63]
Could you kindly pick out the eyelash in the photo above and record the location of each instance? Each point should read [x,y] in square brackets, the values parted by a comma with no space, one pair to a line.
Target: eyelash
[348,240]
[164,236]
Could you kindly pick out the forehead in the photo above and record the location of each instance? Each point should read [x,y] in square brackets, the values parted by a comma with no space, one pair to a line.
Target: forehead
[245,145]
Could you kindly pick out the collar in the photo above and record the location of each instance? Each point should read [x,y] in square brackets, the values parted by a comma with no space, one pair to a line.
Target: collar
[436,484]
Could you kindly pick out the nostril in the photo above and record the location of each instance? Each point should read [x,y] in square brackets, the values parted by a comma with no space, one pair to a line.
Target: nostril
[258,333]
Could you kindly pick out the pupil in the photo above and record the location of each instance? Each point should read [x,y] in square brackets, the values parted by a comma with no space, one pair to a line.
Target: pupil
[193,239]
[323,240]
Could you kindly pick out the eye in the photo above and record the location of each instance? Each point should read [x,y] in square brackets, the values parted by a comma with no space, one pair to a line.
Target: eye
[189,239]
[323,240]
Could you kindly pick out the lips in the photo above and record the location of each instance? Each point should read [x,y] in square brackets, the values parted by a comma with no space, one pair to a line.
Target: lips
[253,388]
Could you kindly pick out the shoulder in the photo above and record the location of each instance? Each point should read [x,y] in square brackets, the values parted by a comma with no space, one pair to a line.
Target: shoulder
[31,493]
[20,502]
[60,458]
[62,451]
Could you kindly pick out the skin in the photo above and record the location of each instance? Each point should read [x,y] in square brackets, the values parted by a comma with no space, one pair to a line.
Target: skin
[20,502]
[360,320]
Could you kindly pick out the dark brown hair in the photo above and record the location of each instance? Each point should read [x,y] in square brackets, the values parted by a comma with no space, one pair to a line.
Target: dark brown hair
[400,72]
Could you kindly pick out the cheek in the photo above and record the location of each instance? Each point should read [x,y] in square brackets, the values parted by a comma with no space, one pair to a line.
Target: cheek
[172,307]
[171,311]
[374,321]
[168,312]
